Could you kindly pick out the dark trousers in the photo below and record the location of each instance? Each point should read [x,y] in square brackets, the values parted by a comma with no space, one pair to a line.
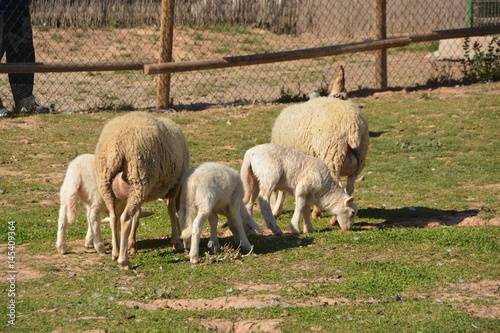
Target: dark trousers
[16,41]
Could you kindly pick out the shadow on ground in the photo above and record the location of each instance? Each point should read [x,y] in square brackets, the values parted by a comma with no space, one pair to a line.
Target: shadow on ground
[421,217]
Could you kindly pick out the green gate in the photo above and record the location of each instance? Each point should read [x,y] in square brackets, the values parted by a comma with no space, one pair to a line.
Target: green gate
[483,12]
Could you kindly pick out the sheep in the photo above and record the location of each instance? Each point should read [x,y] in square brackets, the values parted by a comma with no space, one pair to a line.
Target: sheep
[80,183]
[153,155]
[331,129]
[270,167]
[212,189]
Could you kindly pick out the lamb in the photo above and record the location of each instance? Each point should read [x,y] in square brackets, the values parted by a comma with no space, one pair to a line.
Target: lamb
[270,167]
[331,129]
[80,183]
[153,155]
[212,189]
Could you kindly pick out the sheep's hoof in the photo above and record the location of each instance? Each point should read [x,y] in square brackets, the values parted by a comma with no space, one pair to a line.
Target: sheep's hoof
[277,232]
[114,257]
[178,246]
[316,213]
[309,231]
[194,260]
[100,248]
[333,221]
[62,249]
[132,249]
[125,264]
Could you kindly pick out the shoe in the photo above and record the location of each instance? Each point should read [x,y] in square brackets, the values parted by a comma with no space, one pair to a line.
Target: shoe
[4,113]
[28,105]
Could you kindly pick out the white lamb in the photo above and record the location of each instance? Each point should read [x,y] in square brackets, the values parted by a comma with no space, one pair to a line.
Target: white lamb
[80,183]
[153,156]
[212,189]
[270,167]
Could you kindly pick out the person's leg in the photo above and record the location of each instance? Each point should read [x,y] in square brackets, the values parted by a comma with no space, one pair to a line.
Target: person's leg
[20,49]
[3,111]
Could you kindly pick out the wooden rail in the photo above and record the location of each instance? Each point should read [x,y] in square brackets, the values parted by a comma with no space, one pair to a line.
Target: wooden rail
[152,67]
[256,59]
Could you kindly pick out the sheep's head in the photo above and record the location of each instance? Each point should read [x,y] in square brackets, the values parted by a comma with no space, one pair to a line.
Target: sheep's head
[345,213]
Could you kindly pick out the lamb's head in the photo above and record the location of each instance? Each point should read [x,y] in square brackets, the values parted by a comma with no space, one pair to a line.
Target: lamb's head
[345,213]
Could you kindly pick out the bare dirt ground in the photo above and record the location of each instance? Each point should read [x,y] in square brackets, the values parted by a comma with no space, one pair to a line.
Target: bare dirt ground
[81,91]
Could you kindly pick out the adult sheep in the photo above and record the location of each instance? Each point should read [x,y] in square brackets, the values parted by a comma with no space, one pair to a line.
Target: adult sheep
[331,129]
[153,156]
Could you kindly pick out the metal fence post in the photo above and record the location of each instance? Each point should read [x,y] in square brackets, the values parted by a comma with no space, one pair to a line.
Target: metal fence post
[167,34]
[380,55]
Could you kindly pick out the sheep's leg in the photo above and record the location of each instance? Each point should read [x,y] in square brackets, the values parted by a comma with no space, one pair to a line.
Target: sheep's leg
[316,212]
[278,205]
[95,240]
[308,227]
[213,219]
[194,252]
[300,204]
[132,245]
[267,213]
[126,221]
[349,188]
[250,198]
[115,235]
[174,223]
[89,241]
[62,224]
[236,226]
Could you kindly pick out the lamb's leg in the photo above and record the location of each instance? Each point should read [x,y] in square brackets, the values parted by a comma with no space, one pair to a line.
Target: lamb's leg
[278,205]
[62,224]
[236,226]
[194,252]
[174,223]
[94,220]
[300,204]
[213,220]
[249,198]
[308,227]
[267,214]
[89,241]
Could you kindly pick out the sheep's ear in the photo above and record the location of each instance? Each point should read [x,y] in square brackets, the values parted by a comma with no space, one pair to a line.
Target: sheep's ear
[348,201]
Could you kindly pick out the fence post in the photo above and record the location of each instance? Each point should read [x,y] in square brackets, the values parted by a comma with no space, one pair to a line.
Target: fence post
[167,34]
[380,55]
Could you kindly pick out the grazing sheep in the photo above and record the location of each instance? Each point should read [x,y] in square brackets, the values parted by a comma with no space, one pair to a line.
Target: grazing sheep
[80,183]
[331,129]
[153,155]
[212,189]
[271,167]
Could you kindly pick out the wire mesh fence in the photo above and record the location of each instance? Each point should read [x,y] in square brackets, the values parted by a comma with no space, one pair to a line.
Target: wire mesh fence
[82,31]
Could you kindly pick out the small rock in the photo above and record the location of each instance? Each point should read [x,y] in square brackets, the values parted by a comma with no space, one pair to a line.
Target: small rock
[128,316]
[136,307]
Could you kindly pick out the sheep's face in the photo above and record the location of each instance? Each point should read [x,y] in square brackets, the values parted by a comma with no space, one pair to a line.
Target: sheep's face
[346,213]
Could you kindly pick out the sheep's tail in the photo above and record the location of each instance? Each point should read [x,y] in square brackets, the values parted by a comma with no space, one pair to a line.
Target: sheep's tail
[68,209]
[248,179]
[69,199]
[186,211]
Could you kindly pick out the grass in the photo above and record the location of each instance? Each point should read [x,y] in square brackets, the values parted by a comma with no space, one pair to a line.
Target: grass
[430,159]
